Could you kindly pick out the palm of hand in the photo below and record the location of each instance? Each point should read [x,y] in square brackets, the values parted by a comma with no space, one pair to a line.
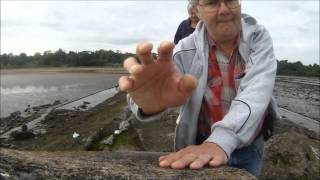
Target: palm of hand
[154,85]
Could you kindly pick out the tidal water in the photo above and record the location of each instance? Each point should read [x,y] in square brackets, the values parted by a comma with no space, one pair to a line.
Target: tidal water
[22,89]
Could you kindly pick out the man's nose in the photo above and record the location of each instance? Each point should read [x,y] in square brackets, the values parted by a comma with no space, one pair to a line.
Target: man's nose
[223,8]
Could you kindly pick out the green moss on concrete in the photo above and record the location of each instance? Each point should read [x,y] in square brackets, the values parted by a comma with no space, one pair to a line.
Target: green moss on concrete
[127,140]
[86,124]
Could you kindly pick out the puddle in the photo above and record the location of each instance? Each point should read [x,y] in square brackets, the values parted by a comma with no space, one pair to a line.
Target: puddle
[91,100]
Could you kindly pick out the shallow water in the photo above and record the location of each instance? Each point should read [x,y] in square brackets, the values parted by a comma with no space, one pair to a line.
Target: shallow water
[92,100]
[21,89]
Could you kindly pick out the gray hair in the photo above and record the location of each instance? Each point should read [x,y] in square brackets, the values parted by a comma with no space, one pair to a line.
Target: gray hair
[193,2]
[189,8]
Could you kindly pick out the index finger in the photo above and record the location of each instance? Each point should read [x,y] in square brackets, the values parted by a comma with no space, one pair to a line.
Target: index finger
[144,53]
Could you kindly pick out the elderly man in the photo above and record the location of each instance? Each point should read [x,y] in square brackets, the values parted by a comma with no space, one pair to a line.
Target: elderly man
[187,26]
[222,77]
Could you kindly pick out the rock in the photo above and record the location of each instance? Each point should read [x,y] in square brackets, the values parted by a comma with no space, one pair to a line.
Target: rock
[4,176]
[291,156]
[56,102]
[5,145]
[24,176]
[73,115]
[28,110]
[24,128]
[36,109]
[99,135]
[86,102]
[15,114]
[76,108]
[50,117]
[83,106]
[22,135]
[124,125]
[108,140]
[117,120]
[52,126]
[102,165]
[45,106]
[88,142]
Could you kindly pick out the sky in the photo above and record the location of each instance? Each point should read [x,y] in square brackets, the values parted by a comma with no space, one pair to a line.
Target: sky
[38,26]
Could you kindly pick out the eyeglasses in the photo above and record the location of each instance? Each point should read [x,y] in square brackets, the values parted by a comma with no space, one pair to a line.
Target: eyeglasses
[214,5]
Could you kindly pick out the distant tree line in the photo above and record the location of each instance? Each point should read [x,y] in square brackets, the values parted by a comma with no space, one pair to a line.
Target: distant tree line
[109,57]
[63,59]
[297,69]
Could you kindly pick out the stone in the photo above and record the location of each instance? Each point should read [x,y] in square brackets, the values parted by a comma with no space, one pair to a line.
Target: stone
[108,140]
[291,155]
[24,128]
[22,135]
[56,102]
[124,125]
[15,114]
[28,109]
[83,106]
[72,115]
[86,102]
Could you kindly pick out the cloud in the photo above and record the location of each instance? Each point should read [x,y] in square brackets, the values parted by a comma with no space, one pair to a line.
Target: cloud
[81,24]
[293,25]
[36,26]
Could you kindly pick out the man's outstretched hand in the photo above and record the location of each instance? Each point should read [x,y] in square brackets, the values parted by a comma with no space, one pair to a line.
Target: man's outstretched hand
[195,157]
[154,85]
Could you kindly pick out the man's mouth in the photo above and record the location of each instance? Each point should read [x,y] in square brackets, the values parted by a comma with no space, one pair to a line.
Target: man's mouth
[224,21]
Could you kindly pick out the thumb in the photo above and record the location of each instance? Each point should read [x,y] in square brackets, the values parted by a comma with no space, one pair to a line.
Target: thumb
[187,84]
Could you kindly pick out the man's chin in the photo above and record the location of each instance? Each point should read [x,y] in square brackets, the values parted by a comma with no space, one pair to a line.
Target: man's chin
[226,36]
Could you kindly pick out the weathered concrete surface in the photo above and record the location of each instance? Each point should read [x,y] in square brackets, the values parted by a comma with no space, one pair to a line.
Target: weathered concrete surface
[102,165]
[291,156]
[292,153]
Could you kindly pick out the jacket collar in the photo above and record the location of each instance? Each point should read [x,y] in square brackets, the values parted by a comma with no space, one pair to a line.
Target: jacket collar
[248,26]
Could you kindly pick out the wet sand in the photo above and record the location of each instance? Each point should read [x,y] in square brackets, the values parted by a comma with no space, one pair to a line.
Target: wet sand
[299,94]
